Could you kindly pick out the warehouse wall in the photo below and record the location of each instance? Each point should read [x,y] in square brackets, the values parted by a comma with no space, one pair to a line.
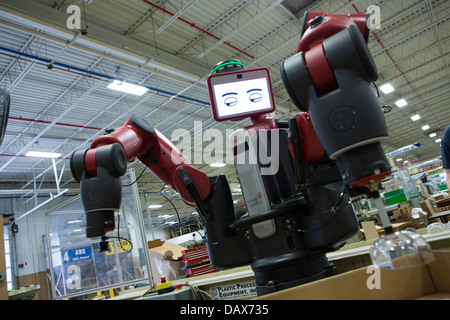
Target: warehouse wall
[30,263]
[7,204]
[28,240]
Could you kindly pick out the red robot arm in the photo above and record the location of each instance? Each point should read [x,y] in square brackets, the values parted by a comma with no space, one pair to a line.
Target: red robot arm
[154,150]
[99,169]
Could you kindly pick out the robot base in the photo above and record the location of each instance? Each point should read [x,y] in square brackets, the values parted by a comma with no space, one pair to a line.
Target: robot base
[290,270]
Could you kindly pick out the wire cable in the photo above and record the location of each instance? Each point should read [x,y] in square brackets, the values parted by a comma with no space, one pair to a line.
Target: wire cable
[119,237]
[170,201]
[160,192]
[136,180]
[151,290]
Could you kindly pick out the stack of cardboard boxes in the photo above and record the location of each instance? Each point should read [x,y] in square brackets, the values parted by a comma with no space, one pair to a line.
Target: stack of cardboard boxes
[403,217]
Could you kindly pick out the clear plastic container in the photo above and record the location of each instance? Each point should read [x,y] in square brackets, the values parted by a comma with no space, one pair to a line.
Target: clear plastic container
[402,249]
[436,227]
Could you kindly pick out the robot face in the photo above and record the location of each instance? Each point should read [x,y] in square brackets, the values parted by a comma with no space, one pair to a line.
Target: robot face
[239,94]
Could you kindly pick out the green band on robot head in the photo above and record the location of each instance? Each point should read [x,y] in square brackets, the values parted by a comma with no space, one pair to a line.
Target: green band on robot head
[226,65]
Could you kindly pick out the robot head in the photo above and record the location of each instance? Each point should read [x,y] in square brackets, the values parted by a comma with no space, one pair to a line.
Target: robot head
[236,93]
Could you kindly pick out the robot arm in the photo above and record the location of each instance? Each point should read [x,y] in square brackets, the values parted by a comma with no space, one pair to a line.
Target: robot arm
[100,167]
[330,77]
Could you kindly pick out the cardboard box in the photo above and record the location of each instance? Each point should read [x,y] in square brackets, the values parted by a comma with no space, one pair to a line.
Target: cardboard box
[370,230]
[398,214]
[165,260]
[427,207]
[431,281]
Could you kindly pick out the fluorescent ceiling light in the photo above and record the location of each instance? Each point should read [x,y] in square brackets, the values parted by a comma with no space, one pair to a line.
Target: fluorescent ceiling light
[415,117]
[401,103]
[437,140]
[399,159]
[387,88]
[432,135]
[217,165]
[127,87]
[73,221]
[425,127]
[155,206]
[165,216]
[41,154]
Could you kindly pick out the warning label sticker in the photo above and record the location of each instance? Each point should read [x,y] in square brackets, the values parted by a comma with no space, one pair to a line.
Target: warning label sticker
[234,291]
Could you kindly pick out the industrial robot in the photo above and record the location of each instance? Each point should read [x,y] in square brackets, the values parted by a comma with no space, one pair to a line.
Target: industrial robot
[298,210]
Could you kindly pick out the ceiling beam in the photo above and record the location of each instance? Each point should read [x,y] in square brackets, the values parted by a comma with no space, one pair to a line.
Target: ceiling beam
[37,15]
[239,29]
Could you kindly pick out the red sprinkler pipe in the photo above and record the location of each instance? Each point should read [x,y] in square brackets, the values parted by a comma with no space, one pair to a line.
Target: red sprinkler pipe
[198,28]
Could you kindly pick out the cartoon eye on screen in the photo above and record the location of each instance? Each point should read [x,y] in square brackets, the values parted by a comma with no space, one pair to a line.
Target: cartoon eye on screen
[230,101]
[254,96]
[240,94]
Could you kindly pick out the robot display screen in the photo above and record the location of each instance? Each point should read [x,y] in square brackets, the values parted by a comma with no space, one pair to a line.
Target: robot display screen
[238,94]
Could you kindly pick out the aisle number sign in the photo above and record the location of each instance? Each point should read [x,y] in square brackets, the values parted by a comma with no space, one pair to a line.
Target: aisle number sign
[125,247]
[77,254]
